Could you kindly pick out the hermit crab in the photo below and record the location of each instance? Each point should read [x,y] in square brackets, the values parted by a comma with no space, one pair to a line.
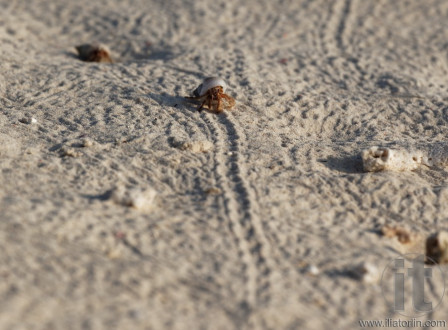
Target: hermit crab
[211,93]
[94,53]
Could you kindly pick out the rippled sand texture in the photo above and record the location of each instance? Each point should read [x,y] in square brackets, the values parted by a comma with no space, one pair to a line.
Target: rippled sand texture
[245,201]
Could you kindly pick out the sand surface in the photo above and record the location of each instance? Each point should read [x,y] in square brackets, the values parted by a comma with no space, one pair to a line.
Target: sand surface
[246,200]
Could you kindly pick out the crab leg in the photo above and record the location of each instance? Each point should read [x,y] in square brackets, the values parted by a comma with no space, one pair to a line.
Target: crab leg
[219,104]
[202,105]
[230,100]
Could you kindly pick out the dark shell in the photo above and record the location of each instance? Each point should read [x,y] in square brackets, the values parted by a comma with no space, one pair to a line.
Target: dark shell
[94,53]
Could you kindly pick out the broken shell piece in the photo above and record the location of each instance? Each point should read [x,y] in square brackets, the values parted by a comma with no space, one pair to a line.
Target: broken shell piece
[197,146]
[312,270]
[194,146]
[378,159]
[69,152]
[86,142]
[94,53]
[402,235]
[366,272]
[28,120]
[213,191]
[208,83]
[140,199]
[437,247]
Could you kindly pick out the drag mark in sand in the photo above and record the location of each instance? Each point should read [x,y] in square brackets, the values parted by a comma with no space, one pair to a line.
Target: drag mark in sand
[342,26]
[240,208]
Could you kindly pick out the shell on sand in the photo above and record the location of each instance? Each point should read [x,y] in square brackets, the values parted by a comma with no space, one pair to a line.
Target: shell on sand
[208,83]
[378,159]
[94,53]
[366,272]
[137,198]
[193,146]
[402,235]
[437,247]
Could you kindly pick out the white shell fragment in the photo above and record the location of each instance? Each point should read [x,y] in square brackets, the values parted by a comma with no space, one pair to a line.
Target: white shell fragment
[437,247]
[87,142]
[366,272]
[208,83]
[140,199]
[67,151]
[312,270]
[378,159]
[198,146]
[28,120]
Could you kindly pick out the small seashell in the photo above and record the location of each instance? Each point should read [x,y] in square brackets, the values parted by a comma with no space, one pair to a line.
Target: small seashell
[194,146]
[86,142]
[28,120]
[366,272]
[437,247]
[402,235]
[208,83]
[94,53]
[69,152]
[312,270]
[213,191]
[140,199]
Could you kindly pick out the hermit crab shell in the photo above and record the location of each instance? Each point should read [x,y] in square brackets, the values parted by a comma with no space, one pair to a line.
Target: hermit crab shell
[208,83]
[94,53]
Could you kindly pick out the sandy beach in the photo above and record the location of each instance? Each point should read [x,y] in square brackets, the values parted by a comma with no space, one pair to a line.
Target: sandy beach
[123,207]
